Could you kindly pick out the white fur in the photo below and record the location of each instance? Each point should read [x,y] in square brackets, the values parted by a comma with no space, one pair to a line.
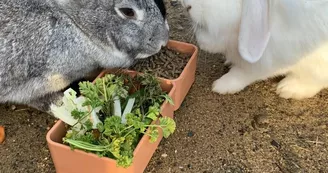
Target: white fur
[298,46]
[167,25]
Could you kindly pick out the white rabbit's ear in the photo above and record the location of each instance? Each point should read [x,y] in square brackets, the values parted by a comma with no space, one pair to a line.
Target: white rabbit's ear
[254,31]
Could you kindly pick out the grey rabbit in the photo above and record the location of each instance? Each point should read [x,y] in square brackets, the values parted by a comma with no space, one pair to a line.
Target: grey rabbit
[45,45]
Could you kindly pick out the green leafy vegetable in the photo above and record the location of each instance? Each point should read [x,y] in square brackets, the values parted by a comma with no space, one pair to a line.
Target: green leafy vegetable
[98,123]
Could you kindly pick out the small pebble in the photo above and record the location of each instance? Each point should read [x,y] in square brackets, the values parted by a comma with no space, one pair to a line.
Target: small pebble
[190,134]
[262,120]
[275,144]
[159,162]
[13,107]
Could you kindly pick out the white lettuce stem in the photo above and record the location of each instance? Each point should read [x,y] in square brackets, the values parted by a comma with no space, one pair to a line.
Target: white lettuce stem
[128,109]
[117,107]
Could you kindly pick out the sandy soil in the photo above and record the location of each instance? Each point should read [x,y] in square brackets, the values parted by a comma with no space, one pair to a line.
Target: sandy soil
[252,131]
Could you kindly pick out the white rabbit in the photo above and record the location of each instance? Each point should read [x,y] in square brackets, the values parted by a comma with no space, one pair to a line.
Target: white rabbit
[263,39]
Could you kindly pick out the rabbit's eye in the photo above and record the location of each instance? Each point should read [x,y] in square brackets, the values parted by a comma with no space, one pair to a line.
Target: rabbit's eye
[128,12]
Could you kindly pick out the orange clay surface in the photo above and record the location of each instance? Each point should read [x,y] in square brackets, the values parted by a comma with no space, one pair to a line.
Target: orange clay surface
[2,134]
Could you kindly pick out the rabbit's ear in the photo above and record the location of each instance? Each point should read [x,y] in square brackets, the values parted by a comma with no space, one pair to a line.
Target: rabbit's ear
[254,31]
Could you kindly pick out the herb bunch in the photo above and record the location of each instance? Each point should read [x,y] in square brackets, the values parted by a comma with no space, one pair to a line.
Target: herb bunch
[99,125]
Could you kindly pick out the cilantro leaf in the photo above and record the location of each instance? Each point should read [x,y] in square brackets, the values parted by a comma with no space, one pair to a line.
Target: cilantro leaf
[91,92]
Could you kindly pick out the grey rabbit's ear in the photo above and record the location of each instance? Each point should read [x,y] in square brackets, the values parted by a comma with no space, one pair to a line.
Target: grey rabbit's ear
[254,31]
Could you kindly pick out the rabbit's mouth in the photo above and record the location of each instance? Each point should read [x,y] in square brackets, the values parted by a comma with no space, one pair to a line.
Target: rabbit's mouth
[148,54]
[152,50]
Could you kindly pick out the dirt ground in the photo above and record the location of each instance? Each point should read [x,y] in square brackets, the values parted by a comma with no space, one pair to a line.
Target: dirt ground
[252,131]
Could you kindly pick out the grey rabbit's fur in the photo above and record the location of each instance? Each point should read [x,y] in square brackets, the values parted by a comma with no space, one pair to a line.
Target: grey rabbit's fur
[45,45]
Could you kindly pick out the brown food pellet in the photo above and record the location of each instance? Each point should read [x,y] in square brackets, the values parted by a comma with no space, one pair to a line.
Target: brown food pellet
[162,59]
[167,64]
[153,65]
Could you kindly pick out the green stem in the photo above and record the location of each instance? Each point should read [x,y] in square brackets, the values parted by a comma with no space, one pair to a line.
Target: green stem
[126,128]
[82,118]
[86,146]
[104,87]
[161,126]
[129,132]
[149,134]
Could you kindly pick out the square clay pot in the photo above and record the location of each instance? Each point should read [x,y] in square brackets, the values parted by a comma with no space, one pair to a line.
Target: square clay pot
[184,82]
[77,161]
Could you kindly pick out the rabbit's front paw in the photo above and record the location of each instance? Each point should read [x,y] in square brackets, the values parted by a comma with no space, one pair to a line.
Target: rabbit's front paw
[230,83]
[294,88]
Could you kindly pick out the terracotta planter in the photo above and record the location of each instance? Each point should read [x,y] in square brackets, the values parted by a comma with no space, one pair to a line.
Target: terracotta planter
[77,161]
[184,82]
